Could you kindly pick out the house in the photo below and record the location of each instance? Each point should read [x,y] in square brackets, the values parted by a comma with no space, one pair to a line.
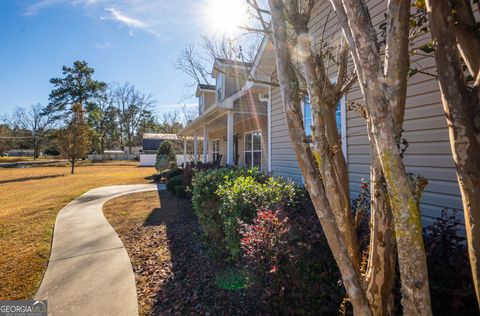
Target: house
[151,142]
[232,118]
[245,123]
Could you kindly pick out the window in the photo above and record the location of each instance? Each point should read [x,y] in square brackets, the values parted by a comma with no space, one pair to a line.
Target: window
[216,150]
[201,104]
[253,150]
[219,85]
[308,120]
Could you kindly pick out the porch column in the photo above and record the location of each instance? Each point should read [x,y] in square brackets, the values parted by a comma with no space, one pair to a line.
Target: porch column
[205,144]
[195,147]
[230,138]
[185,151]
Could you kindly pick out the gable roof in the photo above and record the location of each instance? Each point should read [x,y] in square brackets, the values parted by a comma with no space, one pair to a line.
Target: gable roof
[205,88]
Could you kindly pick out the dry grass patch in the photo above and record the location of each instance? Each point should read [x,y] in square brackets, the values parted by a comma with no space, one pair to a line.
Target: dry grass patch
[30,199]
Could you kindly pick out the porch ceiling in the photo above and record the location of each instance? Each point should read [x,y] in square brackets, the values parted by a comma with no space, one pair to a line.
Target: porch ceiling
[218,122]
[210,115]
[245,104]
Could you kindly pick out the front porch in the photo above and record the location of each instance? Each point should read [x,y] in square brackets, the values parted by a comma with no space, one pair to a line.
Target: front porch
[233,132]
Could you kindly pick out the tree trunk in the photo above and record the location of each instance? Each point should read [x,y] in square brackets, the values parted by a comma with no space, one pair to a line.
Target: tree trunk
[328,144]
[380,274]
[357,25]
[35,148]
[291,99]
[102,144]
[72,167]
[468,36]
[340,171]
[461,107]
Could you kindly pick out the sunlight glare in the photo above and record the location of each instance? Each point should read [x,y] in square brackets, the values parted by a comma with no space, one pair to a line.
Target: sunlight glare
[226,16]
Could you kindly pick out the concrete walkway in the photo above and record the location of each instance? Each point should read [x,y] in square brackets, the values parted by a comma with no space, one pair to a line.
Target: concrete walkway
[89,272]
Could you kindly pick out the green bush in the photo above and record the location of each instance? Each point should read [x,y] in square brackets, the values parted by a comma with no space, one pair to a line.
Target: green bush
[173,182]
[180,191]
[166,156]
[222,197]
[242,197]
[173,172]
[205,203]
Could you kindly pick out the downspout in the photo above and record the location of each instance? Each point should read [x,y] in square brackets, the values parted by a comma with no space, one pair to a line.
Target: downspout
[268,99]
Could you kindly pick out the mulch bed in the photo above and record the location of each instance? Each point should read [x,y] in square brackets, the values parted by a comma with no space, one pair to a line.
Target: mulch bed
[174,275]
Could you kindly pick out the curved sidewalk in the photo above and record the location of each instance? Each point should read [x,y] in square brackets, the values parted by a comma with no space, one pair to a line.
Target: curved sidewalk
[89,271]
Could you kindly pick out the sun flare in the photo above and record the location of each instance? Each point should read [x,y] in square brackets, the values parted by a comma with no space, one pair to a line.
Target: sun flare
[226,16]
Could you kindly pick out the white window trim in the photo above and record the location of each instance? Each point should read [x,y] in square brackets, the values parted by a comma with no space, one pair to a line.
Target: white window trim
[269,132]
[222,96]
[213,148]
[201,103]
[252,150]
[343,119]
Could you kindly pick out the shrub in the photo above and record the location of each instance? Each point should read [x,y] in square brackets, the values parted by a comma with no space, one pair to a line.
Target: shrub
[449,273]
[288,255]
[265,241]
[241,197]
[166,156]
[190,170]
[180,191]
[170,173]
[157,177]
[206,204]
[173,182]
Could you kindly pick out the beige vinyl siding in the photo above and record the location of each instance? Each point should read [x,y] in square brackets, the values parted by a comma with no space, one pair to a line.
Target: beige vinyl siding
[250,103]
[234,81]
[284,162]
[209,99]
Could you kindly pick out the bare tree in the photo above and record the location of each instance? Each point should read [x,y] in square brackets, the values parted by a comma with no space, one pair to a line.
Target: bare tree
[6,133]
[133,108]
[33,120]
[190,63]
[461,102]
[198,63]
[189,113]
[74,140]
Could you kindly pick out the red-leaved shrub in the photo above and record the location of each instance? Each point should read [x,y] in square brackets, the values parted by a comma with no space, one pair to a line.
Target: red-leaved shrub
[264,242]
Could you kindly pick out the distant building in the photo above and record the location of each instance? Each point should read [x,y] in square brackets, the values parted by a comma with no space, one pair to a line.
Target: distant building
[22,152]
[151,142]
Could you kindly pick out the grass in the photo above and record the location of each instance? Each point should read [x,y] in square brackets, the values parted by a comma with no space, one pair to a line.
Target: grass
[130,210]
[29,202]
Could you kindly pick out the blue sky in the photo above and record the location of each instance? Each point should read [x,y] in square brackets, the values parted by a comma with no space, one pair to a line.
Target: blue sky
[124,40]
